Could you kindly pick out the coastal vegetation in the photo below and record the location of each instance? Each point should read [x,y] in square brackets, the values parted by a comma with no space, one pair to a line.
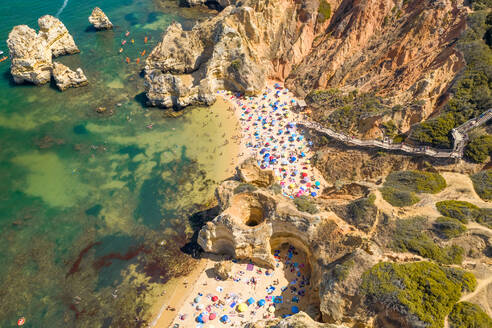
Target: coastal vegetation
[449,227]
[401,187]
[479,148]
[471,92]
[362,212]
[324,11]
[344,112]
[482,182]
[410,236]
[468,315]
[461,210]
[422,289]
[244,187]
[305,204]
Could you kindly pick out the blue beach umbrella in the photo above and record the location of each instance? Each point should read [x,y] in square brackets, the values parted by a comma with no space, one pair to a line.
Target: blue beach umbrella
[224,318]
[261,302]
[295,309]
[250,301]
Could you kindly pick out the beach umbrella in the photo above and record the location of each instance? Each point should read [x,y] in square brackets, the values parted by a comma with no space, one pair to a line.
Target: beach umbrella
[214,298]
[317,183]
[250,300]
[212,316]
[242,307]
[261,302]
[295,309]
[200,318]
[271,309]
[224,318]
[199,307]
[313,194]
[197,299]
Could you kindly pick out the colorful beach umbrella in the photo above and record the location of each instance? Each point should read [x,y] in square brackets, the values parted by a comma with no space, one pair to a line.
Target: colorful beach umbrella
[242,307]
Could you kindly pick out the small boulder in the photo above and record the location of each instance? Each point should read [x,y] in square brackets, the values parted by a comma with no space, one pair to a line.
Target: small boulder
[66,78]
[223,269]
[99,20]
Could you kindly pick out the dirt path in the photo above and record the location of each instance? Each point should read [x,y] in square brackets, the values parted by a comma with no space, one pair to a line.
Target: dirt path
[480,286]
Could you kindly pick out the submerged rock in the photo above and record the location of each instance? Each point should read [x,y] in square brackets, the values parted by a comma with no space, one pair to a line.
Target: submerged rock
[31,53]
[31,56]
[99,20]
[66,78]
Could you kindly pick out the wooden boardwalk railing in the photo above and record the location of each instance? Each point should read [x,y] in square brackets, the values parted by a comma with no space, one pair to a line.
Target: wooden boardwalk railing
[459,134]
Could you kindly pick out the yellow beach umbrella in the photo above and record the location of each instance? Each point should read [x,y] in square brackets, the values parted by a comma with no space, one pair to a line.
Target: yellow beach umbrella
[242,307]
[271,309]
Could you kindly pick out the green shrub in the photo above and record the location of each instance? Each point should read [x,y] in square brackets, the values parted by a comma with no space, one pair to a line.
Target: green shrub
[398,197]
[400,187]
[410,236]
[276,188]
[468,315]
[458,209]
[466,279]
[305,204]
[236,64]
[362,212]
[479,148]
[449,227]
[416,181]
[244,187]
[482,182]
[344,112]
[390,129]
[422,289]
[324,11]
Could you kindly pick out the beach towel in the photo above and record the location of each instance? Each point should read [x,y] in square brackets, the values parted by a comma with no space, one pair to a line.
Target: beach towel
[250,267]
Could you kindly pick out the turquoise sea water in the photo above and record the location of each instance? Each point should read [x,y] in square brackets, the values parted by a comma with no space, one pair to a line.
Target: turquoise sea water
[94,207]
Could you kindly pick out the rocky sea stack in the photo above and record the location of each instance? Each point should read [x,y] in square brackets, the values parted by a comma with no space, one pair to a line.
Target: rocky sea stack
[99,20]
[32,52]
[66,78]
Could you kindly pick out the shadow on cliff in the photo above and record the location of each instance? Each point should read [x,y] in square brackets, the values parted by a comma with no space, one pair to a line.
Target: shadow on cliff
[197,221]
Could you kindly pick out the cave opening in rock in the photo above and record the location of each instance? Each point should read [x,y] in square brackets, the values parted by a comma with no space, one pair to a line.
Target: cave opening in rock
[298,291]
[255,217]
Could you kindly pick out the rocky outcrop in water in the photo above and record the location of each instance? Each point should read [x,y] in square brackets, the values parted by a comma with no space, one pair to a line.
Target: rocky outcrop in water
[99,20]
[31,56]
[31,53]
[66,78]
[57,36]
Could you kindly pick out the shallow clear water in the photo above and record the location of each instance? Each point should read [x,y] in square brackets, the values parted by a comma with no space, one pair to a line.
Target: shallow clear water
[91,204]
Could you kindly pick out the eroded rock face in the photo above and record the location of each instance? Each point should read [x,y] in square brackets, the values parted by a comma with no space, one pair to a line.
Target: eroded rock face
[237,50]
[250,173]
[66,78]
[299,320]
[364,45]
[99,20]
[32,52]
[57,37]
[31,56]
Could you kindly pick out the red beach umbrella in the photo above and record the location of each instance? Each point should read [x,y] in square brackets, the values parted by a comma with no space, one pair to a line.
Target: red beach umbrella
[212,316]
[214,298]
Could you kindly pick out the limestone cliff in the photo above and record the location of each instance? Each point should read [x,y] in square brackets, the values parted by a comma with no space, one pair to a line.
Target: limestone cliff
[236,50]
[31,53]
[402,51]
[253,221]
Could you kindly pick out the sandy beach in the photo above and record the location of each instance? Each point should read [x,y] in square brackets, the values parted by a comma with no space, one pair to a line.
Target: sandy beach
[267,132]
[250,294]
